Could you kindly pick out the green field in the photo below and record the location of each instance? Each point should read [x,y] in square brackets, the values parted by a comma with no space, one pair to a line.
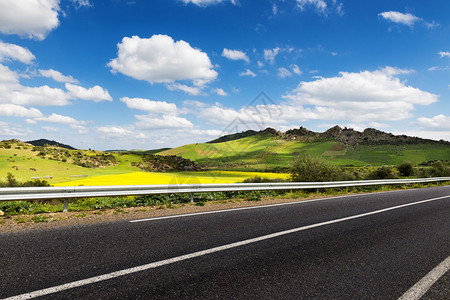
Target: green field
[25,165]
[265,152]
[224,162]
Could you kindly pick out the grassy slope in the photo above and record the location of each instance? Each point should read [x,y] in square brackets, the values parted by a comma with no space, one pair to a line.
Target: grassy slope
[259,152]
[122,173]
[25,159]
[250,153]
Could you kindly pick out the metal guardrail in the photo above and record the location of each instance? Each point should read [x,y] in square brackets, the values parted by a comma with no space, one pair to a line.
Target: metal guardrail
[66,193]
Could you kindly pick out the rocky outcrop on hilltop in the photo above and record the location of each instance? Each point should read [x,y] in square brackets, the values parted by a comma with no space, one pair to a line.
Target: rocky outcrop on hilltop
[346,136]
[333,132]
[244,134]
[44,142]
[301,134]
[371,136]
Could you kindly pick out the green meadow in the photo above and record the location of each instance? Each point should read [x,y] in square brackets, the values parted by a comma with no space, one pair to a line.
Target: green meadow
[266,152]
[231,161]
[26,164]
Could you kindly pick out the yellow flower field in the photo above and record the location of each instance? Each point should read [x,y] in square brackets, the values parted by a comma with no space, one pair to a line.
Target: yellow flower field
[144,178]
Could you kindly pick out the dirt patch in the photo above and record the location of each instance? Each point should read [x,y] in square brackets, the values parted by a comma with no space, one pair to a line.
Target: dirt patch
[337,147]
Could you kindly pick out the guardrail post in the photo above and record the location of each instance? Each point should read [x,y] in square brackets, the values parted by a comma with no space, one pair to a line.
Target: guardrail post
[66,205]
[191,195]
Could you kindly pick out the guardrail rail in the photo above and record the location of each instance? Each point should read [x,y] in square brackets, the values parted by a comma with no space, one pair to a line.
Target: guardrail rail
[66,193]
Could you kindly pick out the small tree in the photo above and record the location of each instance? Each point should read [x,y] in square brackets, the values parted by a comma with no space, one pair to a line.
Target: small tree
[309,168]
[11,181]
[405,169]
[383,172]
[438,169]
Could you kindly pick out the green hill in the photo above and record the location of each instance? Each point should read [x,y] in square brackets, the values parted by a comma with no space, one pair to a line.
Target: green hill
[271,149]
[44,142]
[267,150]
[59,164]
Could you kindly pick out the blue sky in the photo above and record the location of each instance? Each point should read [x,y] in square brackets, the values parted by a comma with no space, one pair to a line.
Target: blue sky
[123,74]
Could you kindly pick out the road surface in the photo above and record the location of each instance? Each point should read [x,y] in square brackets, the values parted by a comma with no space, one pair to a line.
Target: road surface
[371,246]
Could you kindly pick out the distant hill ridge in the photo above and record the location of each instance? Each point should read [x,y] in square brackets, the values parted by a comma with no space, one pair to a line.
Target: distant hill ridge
[43,142]
[346,136]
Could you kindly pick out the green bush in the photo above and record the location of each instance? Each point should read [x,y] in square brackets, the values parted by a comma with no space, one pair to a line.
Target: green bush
[405,169]
[309,168]
[422,172]
[382,173]
[258,179]
[12,182]
[439,169]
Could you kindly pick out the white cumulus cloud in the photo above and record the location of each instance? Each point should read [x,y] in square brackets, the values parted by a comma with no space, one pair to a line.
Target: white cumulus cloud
[206,2]
[191,90]
[220,92]
[235,55]
[12,110]
[150,106]
[65,120]
[283,73]
[270,54]
[59,119]
[323,7]
[95,93]
[296,69]
[12,92]
[57,76]
[29,18]
[15,52]
[161,122]
[376,95]
[247,72]
[41,96]
[160,59]
[444,54]
[400,18]
[115,131]
[439,122]
[320,5]
[10,130]
[366,98]
[81,3]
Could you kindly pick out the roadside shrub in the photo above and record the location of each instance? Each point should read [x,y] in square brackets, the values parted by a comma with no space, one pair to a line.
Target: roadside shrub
[15,207]
[422,172]
[12,182]
[438,169]
[258,179]
[383,172]
[311,168]
[346,176]
[254,196]
[405,169]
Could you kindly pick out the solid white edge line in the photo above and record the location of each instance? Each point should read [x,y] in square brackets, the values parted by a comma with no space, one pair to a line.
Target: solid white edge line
[256,207]
[423,285]
[236,209]
[128,271]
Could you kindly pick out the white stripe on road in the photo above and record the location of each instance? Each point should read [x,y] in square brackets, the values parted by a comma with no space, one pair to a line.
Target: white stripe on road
[153,265]
[228,210]
[255,207]
[421,287]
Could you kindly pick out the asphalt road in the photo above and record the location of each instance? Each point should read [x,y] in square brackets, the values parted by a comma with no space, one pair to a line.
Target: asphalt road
[379,255]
